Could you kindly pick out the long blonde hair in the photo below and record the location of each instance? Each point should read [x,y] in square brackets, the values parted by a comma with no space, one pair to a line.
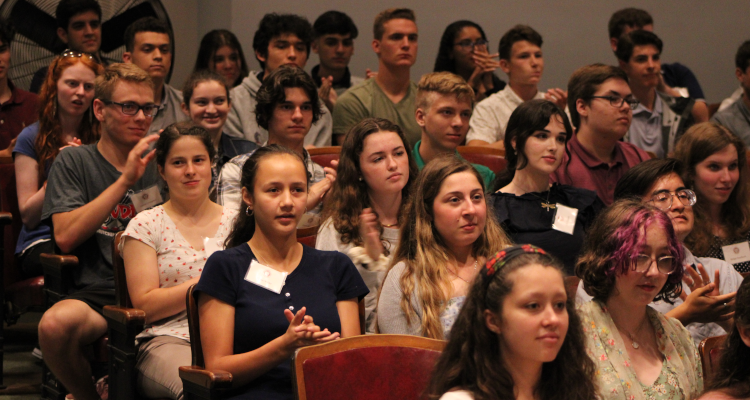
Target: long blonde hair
[424,251]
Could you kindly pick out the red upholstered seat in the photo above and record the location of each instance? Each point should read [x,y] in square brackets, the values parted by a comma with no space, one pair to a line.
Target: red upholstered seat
[307,236]
[710,350]
[366,367]
[29,291]
[324,155]
[491,158]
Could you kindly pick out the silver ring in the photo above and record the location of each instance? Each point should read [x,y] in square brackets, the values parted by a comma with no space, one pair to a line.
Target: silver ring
[726,305]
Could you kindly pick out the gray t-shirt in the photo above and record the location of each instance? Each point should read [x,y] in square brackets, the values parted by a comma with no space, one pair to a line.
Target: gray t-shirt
[170,110]
[736,118]
[77,176]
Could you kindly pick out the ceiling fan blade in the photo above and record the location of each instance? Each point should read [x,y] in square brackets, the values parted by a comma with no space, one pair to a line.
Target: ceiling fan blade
[37,25]
[114,29]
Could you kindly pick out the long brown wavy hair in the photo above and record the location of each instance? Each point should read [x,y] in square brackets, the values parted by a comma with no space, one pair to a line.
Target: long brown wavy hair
[349,195]
[473,359]
[698,143]
[49,139]
[423,250]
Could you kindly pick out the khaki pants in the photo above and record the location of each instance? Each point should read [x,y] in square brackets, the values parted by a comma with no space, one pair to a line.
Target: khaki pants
[158,363]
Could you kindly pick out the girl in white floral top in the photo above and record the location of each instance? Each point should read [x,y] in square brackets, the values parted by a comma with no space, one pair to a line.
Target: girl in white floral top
[164,250]
[632,258]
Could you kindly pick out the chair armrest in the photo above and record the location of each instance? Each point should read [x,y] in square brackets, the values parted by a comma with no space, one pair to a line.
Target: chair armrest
[57,262]
[125,316]
[58,276]
[205,378]
[5,218]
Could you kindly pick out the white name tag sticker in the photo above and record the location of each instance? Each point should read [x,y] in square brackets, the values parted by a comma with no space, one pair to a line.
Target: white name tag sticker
[265,277]
[212,245]
[736,253]
[565,219]
[146,198]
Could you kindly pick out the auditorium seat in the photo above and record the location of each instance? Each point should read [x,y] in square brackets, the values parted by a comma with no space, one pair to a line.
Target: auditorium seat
[491,158]
[366,367]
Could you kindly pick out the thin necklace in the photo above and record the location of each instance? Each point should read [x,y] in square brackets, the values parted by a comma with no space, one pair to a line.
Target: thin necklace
[545,203]
[389,225]
[476,262]
[632,335]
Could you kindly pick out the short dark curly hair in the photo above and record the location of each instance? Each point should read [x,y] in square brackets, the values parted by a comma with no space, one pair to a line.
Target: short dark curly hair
[614,240]
[516,34]
[67,9]
[146,24]
[630,17]
[334,22]
[273,25]
[272,92]
[628,41]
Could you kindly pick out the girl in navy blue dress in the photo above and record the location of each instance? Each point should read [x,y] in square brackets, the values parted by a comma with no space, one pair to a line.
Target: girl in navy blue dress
[267,295]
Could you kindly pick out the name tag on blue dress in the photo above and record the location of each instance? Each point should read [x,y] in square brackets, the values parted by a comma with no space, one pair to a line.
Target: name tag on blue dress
[265,277]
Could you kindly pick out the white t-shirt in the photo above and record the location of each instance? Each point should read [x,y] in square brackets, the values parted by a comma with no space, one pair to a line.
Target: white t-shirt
[176,259]
[491,115]
[329,239]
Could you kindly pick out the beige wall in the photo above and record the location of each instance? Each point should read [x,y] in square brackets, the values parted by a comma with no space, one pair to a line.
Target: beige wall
[703,35]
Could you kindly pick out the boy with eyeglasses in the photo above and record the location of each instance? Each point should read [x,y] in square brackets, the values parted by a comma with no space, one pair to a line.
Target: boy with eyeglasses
[601,108]
[148,45]
[92,193]
[521,59]
[706,304]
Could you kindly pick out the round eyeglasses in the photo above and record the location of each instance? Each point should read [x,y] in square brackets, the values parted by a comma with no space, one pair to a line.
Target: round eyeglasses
[663,200]
[665,265]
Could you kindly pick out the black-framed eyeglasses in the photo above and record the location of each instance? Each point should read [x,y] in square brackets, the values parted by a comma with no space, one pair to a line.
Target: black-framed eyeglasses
[467,44]
[666,265]
[663,200]
[617,101]
[149,110]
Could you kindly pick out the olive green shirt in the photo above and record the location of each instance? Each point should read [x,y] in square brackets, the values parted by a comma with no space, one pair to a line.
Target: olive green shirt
[368,100]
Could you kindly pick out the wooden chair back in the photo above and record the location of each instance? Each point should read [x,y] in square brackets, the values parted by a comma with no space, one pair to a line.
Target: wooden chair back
[324,155]
[571,286]
[491,158]
[195,329]
[362,367]
[710,351]
[122,298]
[9,203]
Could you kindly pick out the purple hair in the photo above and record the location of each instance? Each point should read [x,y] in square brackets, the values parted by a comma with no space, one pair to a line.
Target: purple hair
[614,241]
